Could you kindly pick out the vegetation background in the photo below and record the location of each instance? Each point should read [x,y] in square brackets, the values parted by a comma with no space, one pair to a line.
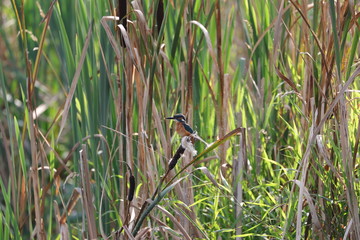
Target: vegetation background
[81,95]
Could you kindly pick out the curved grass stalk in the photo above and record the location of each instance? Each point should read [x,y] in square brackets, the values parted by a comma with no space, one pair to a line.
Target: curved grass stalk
[171,185]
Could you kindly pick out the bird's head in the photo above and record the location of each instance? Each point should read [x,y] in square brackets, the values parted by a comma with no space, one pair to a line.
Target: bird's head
[178,117]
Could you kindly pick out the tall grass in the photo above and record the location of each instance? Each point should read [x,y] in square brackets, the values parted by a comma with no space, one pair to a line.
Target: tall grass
[84,96]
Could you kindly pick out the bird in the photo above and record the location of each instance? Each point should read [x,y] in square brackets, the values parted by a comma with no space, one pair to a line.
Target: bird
[182,128]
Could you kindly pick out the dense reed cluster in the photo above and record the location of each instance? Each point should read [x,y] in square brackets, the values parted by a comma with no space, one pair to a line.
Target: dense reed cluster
[270,86]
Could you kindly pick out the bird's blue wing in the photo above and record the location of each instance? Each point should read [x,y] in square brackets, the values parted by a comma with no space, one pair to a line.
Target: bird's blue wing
[188,128]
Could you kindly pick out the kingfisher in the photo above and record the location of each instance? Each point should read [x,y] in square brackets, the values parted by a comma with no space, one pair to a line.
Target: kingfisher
[182,128]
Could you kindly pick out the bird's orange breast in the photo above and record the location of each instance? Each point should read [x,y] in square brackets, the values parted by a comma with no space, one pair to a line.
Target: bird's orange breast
[179,128]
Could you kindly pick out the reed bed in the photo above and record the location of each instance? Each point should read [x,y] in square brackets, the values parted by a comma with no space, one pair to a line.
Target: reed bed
[271,87]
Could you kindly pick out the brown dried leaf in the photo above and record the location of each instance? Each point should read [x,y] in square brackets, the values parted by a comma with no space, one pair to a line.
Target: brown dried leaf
[314,216]
[209,175]
[287,80]
[71,204]
[109,33]
[87,193]
[74,81]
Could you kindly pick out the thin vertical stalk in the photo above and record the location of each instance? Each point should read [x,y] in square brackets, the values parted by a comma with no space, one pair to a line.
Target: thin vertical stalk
[221,113]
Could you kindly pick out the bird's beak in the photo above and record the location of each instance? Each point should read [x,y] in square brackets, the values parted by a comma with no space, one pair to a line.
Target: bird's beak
[170,118]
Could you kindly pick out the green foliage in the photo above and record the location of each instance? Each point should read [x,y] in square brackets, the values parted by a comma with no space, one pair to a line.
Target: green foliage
[281,73]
